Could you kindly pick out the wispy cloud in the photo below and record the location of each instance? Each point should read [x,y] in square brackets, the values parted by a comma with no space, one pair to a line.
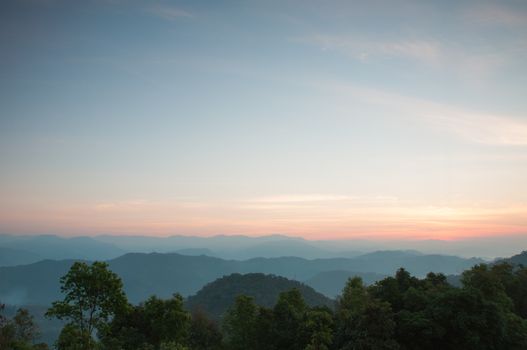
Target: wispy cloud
[125,205]
[301,198]
[313,201]
[365,49]
[471,61]
[169,12]
[494,14]
[474,126]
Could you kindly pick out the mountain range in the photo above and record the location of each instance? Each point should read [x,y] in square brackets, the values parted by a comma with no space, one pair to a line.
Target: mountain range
[164,274]
[19,250]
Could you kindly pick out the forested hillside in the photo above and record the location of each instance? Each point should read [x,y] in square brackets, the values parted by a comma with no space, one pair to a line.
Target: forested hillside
[216,297]
[488,311]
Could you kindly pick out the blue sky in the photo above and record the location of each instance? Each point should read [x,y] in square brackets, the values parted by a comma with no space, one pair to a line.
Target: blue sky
[315,118]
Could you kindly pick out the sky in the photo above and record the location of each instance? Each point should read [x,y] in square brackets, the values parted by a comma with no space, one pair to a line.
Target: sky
[321,119]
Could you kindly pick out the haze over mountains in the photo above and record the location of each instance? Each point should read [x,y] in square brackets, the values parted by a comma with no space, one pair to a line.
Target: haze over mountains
[30,266]
[163,274]
[16,250]
[205,270]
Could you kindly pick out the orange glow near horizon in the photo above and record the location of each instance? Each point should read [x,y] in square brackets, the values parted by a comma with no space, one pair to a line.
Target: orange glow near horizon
[310,217]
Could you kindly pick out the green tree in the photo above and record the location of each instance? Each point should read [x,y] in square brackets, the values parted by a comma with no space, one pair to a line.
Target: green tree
[392,289]
[350,304]
[7,330]
[93,294]
[128,330]
[364,322]
[168,321]
[72,338]
[319,326]
[264,328]
[289,315]
[517,291]
[204,333]
[375,328]
[467,320]
[148,325]
[20,332]
[507,279]
[239,324]
[25,328]
[488,282]
[516,333]
[171,345]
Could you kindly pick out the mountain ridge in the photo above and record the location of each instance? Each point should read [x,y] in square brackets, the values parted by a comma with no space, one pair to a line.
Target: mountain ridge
[163,274]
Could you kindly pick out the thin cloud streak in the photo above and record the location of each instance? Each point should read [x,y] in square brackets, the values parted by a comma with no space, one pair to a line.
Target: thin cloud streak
[301,198]
[493,14]
[473,62]
[365,49]
[478,127]
[169,13]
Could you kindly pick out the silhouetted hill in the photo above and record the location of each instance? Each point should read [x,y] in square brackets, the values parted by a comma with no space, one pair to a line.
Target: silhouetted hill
[236,246]
[57,248]
[36,283]
[241,247]
[416,263]
[195,251]
[165,274]
[331,283]
[216,297]
[230,247]
[518,259]
[288,248]
[12,257]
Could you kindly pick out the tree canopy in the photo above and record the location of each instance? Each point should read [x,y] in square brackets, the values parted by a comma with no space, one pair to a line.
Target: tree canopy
[92,295]
[397,313]
[20,332]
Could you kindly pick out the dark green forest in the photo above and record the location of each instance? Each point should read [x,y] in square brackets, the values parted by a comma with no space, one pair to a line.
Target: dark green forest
[216,297]
[488,311]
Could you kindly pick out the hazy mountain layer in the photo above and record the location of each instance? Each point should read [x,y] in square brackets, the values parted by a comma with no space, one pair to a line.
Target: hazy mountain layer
[36,248]
[164,274]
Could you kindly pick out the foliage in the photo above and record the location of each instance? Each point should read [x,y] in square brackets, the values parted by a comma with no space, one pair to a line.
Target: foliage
[93,294]
[289,316]
[72,338]
[364,322]
[204,333]
[20,332]
[397,313]
[216,297]
[319,325]
[154,323]
[239,325]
